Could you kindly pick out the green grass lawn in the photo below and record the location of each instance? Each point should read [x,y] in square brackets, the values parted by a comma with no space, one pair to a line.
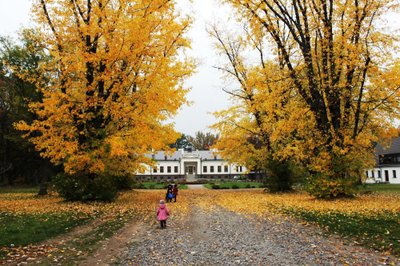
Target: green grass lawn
[233,185]
[380,232]
[25,229]
[158,185]
[18,189]
[381,188]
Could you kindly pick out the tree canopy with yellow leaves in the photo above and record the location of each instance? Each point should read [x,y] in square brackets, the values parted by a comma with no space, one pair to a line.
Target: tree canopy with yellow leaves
[342,74]
[257,129]
[115,76]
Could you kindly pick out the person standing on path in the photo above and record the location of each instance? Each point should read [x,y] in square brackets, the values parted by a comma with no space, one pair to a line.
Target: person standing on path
[162,214]
[169,195]
[175,191]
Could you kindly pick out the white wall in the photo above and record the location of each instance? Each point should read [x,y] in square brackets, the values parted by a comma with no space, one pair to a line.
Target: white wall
[233,169]
[393,173]
[165,164]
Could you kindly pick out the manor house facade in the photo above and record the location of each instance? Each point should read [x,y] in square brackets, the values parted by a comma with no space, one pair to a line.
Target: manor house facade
[190,165]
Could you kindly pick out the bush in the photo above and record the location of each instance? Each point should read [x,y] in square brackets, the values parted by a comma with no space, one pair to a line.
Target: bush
[80,187]
[281,176]
[323,187]
[215,186]
[235,186]
[124,182]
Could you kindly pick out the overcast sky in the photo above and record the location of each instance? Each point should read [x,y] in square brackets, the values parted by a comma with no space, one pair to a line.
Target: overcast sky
[206,92]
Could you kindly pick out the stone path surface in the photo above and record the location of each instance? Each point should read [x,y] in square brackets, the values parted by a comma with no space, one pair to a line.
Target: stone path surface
[221,237]
[199,186]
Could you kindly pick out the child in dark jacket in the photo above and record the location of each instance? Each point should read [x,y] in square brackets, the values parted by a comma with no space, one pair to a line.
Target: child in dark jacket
[169,195]
[162,214]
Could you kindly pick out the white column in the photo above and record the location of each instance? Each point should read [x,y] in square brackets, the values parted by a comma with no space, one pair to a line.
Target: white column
[182,167]
[198,167]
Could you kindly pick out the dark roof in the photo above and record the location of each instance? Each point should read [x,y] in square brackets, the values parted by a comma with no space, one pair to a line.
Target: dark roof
[390,148]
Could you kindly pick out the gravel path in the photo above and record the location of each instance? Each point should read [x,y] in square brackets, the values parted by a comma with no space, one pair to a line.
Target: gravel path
[226,238]
[199,186]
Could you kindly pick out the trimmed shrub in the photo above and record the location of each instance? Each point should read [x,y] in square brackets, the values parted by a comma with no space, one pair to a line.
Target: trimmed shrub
[82,187]
[235,186]
[215,186]
[323,187]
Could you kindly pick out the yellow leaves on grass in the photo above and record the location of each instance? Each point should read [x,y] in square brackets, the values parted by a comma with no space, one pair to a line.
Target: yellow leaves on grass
[256,202]
[143,203]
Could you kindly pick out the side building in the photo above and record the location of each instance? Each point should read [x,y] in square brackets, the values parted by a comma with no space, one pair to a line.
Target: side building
[191,166]
[387,169]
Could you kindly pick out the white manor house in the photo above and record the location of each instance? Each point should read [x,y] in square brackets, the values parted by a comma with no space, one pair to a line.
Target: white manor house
[204,164]
[387,168]
[191,166]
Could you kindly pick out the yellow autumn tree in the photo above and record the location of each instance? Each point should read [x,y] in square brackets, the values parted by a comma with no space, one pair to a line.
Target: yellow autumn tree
[116,75]
[343,68]
[257,129]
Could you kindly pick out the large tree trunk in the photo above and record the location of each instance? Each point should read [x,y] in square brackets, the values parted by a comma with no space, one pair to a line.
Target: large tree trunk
[43,186]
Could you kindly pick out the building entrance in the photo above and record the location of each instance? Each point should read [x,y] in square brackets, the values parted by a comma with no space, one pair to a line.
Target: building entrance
[190,168]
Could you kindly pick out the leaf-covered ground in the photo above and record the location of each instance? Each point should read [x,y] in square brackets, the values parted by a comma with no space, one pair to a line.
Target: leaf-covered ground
[228,221]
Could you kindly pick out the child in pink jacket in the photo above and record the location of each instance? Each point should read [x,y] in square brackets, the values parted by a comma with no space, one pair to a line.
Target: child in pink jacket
[162,214]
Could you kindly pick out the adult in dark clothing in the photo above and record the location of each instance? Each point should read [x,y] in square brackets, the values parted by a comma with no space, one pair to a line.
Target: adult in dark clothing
[175,191]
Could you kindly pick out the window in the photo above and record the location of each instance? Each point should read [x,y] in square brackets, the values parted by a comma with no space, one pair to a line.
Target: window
[225,168]
[219,168]
[389,158]
[204,168]
[366,173]
[161,169]
[155,169]
[176,169]
[373,174]
[379,173]
[394,174]
[212,169]
[240,169]
[168,169]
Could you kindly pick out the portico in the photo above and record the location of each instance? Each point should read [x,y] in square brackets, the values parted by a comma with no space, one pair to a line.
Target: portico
[190,168]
